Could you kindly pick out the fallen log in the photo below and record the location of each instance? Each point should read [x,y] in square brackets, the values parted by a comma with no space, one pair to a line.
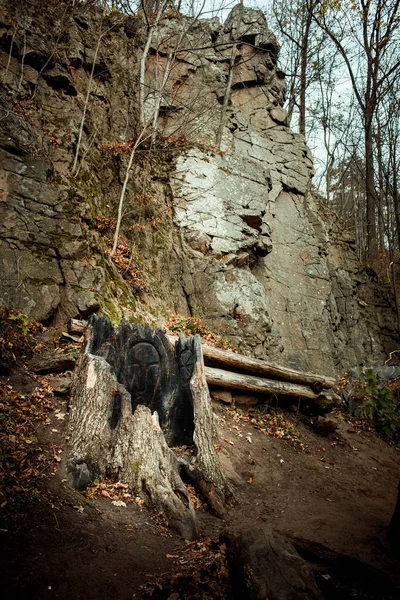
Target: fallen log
[215,357]
[251,383]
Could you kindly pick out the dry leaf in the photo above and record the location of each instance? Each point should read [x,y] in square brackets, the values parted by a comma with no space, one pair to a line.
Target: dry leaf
[119,503]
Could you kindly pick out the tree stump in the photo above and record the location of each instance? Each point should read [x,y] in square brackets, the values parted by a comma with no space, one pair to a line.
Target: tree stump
[132,398]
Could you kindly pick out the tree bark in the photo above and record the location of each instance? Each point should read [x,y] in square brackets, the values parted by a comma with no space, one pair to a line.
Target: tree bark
[127,382]
[215,486]
[370,189]
[251,383]
[264,564]
[303,68]
[107,440]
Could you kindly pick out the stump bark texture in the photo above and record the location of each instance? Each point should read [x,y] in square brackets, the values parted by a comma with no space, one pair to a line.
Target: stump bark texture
[134,396]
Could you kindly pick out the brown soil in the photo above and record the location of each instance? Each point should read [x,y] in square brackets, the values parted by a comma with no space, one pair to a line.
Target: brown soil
[340,493]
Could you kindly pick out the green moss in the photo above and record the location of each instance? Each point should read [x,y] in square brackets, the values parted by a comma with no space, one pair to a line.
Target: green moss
[135,467]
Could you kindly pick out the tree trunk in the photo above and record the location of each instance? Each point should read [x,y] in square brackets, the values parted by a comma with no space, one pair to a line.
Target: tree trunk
[215,487]
[303,70]
[265,565]
[370,190]
[127,382]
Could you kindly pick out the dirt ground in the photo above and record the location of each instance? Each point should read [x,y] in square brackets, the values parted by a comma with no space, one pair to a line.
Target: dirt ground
[340,492]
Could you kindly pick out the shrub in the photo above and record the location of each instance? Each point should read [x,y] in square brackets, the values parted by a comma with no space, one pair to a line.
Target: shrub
[378,405]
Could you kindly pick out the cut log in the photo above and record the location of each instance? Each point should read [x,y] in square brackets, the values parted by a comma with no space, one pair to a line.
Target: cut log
[215,357]
[251,383]
[77,327]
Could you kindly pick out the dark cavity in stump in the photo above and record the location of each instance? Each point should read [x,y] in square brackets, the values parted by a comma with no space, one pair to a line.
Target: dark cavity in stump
[155,376]
[134,397]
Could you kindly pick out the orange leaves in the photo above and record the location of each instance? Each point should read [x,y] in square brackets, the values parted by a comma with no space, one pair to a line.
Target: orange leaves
[163,143]
[123,257]
[103,224]
[115,491]
[23,459]
[276,425]
[119,148]
[123,260]
[196,501]
[193,325]
[141,227]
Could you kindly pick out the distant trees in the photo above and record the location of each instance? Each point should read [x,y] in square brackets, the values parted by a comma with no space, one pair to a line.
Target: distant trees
[368,41]
[343,68]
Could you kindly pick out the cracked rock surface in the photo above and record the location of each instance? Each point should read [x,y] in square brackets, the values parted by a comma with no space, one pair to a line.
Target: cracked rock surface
[230,235]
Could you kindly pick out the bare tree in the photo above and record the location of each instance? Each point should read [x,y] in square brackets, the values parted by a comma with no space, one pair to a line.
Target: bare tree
[301,51]
[367,40]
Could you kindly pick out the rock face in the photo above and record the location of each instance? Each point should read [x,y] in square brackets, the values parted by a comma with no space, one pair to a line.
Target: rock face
[229,234]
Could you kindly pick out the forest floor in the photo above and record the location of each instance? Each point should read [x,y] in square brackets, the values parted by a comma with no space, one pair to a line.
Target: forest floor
[339,491]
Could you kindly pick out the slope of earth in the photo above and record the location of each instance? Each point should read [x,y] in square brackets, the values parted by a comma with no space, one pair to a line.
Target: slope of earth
[338,491]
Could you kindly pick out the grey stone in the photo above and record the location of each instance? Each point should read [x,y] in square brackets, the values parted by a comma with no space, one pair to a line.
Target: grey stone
[325,426]
[279,115]
[62,385]
[246,399]
[199,241]
[53,362]
[224,396]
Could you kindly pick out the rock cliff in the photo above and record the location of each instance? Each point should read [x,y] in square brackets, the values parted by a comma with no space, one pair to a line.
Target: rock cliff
[227,232]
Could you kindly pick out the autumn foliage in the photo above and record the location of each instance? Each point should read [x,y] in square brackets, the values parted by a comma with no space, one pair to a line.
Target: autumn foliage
[193,326]
[123,258]
[16,336]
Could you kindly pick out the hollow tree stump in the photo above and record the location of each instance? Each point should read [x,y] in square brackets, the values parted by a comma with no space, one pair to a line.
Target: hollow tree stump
[133,396]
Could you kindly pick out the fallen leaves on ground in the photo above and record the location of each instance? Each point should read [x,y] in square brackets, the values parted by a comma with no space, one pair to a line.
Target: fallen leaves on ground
[196,500]
[116,491]
[275,424]
[203,574]
[23,460]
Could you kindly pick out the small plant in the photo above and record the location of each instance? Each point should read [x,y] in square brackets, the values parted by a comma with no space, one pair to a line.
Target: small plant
[378,406]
